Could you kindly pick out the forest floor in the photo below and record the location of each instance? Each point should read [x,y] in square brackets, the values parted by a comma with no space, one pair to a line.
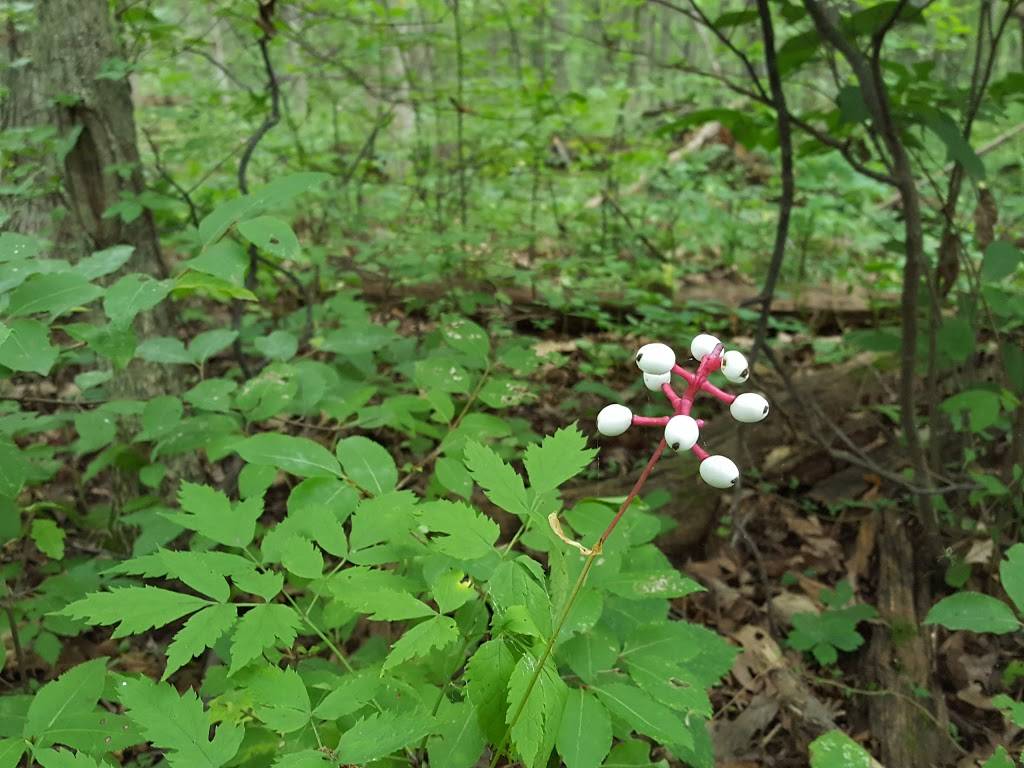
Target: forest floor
[780,546]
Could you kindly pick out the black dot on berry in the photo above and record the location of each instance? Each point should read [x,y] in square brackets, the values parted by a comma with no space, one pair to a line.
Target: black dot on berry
[766,410]
[746,372]
[675,446]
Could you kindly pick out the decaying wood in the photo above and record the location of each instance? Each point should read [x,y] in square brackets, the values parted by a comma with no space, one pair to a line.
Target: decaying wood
[820,306]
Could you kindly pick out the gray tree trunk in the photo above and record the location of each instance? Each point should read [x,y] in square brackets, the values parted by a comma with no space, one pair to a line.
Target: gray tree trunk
[66,49]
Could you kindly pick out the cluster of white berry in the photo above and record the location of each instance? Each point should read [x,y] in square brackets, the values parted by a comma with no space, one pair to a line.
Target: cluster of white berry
[682,431]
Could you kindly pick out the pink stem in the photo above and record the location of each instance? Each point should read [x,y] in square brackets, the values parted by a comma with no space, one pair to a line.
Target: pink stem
[632,495]
[719,394]
[674,399]
[711,362]
[650,421]
[699,452]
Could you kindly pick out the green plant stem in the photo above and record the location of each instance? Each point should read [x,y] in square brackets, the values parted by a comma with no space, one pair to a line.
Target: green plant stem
[573,595]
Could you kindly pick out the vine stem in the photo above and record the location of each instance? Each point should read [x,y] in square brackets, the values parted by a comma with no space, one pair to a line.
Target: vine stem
[577,588]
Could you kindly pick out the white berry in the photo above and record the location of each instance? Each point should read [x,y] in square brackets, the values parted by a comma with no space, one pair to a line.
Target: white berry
[681,433]
[655,358]
[702,345]
[655,381]
[719,472]
[734,366]
[749,408]
[614,420]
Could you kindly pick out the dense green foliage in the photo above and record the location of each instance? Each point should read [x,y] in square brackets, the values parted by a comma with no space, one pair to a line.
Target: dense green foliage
[288,504]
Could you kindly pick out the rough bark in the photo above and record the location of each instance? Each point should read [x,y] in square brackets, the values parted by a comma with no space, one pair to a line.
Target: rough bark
[901,655]
[67,48]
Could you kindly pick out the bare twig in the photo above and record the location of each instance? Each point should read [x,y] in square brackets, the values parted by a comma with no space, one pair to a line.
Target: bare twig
[269,121]
[786,170]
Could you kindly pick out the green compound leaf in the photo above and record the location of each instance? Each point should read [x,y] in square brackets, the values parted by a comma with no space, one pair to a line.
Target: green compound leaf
[296,455]
[837,750]
[367,464]
[585,735]
[425,637]
[974,612]
[179,725]
[134,609]
[379,735]
[262,627]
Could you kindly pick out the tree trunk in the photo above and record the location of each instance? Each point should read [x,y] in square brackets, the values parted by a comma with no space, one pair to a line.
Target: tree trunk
[65,86]
[900,658]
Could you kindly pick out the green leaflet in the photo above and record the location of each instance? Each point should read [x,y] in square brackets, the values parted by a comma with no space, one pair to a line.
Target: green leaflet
[352,693]
[63,758]
[367,464]
[534,731]
[296,455]
[76,691]
[425,637]
[27,347]
[209,512]
[134,609]
[53,293]
[178,725]
[643,714]
[200,632]
[301,557]
[974,612]
[381,734]
[133,294]
[468,534]
[585,733]
[282,701]
[557,458]
[196,569]
[261,628]
[487,680]
[500,483]
[459,741]
[383,594]
[837,750]
[1011,574]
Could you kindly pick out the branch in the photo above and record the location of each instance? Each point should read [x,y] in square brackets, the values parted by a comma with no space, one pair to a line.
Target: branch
[273,117]
[873,90]
[786,169]
[698,15]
